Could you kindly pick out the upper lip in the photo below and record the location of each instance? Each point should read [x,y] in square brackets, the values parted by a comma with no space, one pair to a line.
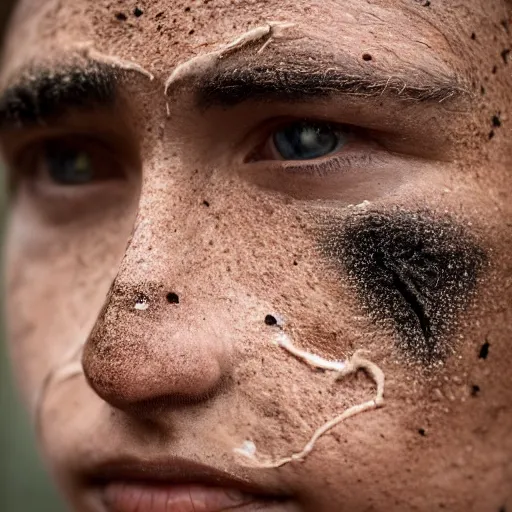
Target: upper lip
[172,471]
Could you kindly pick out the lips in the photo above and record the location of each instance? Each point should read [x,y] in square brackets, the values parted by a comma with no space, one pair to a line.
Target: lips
[175,485]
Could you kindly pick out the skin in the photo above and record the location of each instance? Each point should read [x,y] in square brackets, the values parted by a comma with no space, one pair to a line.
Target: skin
[238,239]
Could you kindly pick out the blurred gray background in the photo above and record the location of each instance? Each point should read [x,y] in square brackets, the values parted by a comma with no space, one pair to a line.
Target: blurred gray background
[24,485]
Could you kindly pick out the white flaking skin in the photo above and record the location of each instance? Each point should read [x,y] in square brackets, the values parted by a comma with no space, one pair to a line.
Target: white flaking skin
[202,63]
[342,369]
[89,52]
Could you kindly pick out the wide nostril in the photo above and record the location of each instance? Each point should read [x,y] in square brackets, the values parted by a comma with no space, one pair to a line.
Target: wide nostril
[173,298]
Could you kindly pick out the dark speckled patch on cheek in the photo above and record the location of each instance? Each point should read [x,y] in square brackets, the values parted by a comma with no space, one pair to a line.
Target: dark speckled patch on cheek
[410,268]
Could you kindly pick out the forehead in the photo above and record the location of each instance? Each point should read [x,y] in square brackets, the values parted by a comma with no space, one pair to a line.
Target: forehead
[159,33]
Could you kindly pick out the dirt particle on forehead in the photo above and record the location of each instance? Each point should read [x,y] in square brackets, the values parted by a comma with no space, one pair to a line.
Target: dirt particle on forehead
[484,350]
[121,16]
[137,12]
[496,121]
[422,432]
[494,69]
[473,36]
[505,55]
[475,390]
[367,57]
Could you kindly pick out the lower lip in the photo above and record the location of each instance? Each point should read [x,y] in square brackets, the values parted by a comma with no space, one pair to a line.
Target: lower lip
[130,497]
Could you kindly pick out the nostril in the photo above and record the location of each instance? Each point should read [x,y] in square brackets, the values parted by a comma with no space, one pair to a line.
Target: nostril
[173,298]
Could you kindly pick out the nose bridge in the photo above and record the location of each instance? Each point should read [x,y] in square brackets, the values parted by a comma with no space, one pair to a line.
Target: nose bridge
[149,342]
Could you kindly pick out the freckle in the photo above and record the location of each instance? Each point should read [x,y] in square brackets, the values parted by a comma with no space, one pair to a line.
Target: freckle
[484,350]
[367,57]
[475,390]
[173,298]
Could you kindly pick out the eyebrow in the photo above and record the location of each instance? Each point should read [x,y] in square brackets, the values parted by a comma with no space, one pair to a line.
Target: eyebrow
[43,94]
[229,84]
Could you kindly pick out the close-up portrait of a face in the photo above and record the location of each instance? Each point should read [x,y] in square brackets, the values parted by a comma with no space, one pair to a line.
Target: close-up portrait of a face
[258,253]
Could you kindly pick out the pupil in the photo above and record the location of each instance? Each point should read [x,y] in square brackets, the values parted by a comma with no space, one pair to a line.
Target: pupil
[305,141]
[69,166]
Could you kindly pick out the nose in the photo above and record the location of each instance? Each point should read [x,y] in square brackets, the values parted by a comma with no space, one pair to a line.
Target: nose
[144,349]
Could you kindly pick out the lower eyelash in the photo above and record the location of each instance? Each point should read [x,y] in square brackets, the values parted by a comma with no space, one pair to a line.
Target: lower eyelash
[336,164]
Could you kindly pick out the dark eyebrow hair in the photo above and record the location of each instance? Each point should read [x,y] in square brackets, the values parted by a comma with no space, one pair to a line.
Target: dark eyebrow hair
[236,84]
[42,94]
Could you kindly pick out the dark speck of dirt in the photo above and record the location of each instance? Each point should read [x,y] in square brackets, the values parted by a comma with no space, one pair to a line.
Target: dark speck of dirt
[367,57]
[410,270]
[138,12]
[187,9]
[191,31]
[484,350]
[270,320]
[504,24]
[496,121]
[422,432]
[494,70]
[491,134]
[121,16]
[473,36]
[482,90]
[206,203]
[475,390]
[295,263]
[173,298]
[505,54]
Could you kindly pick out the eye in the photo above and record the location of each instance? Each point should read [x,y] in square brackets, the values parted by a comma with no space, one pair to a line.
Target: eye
[73,162]
[305,140]
[68,166]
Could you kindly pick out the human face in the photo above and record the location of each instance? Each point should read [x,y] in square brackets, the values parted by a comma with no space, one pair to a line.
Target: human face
[202,200]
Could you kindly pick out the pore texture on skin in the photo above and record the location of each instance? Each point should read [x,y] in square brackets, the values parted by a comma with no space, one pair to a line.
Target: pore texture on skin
[263,246]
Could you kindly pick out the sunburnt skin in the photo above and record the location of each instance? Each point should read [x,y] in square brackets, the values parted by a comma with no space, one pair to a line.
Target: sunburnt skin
[200,378]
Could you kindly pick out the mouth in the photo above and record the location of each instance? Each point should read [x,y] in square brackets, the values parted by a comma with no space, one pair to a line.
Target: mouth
[176,485]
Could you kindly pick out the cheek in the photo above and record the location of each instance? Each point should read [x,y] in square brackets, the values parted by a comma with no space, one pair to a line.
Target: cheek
[412,269]
[57,280]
